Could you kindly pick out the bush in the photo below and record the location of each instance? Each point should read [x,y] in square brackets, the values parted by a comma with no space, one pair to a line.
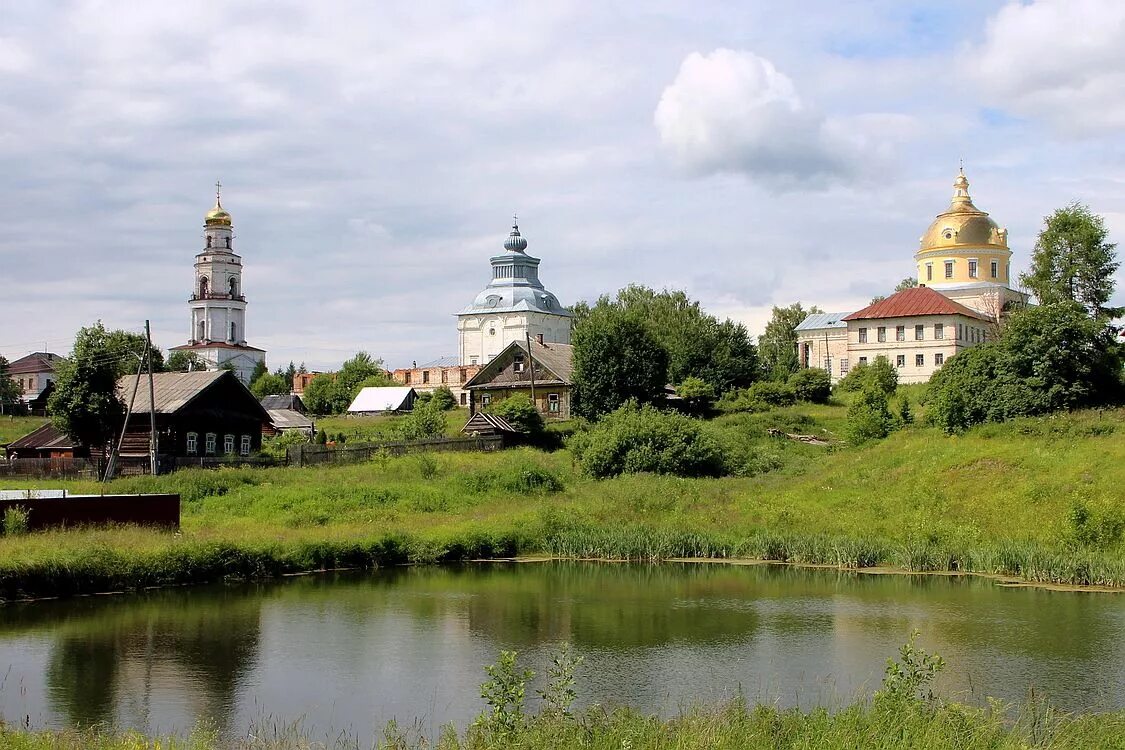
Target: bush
[424,422]
[811,384]
[16,521]
[880,375]
[637,439]
[520,413]
[869,418]
[772,394]
[442,398]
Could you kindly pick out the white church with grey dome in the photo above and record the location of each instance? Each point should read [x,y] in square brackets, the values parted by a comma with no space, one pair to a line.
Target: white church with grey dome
[514,306]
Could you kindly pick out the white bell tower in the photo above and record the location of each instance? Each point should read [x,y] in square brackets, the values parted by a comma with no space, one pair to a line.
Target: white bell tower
[217,302]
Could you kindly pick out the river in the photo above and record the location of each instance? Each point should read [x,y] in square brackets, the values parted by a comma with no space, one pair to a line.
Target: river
[348,651]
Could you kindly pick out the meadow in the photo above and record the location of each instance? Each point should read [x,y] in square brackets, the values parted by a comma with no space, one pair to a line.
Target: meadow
[1035,499]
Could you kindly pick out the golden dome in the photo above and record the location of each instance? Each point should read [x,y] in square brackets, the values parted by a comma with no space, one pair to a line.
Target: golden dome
[217,215]
[963,225]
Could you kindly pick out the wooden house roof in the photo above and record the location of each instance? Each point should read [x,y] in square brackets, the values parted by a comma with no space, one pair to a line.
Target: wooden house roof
[553,365]
[172,391]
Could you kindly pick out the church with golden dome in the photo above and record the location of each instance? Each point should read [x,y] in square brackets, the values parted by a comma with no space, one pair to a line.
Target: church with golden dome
[218,301]
[964,270]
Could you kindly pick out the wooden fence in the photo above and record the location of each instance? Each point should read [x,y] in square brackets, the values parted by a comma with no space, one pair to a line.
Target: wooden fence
[85,510]
[314,455]
[51,468]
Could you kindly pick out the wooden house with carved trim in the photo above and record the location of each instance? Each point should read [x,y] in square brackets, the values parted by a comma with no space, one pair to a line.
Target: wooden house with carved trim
[546,371]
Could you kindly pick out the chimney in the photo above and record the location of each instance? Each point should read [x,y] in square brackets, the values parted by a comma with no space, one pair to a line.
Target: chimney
[539,339]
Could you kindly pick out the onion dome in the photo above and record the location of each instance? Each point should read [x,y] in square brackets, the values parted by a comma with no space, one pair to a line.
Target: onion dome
[963,225]
[515,243]
[217,216]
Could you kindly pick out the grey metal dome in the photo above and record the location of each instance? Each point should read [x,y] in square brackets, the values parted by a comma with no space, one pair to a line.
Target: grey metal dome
[515,243]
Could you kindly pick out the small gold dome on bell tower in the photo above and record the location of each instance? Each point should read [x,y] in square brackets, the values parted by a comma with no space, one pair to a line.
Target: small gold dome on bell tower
[218,215]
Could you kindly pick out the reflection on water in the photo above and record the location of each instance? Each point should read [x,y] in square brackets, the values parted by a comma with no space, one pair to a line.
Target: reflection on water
[350,651]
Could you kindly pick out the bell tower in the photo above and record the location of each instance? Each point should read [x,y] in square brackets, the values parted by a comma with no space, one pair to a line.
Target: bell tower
[217,301]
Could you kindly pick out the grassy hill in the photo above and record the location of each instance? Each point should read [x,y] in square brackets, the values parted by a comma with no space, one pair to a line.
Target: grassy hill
[1038,499]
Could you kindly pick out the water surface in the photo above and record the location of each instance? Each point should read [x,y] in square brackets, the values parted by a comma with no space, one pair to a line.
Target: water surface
[350,651]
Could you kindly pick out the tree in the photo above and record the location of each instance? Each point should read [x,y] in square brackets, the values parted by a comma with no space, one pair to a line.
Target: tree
[908,283]
[270,385]
[260,370]
[698,344]
[126,349]
[361,371]
[697,393]
[869,417]
[880,375]
[290,371]
[185,361]
[9,389]
[443,398]
[1074,261]
[425,421]
[84,403]
[318,394]
[616,359]
[778,344]
[1049,358]
[520,413]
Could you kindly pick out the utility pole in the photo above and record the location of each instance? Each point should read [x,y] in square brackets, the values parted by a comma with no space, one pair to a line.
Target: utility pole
[151,402]
[112,465]
[531,369]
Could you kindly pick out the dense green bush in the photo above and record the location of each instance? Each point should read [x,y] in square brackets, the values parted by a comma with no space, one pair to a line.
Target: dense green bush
[761,396]
[424,422]
[1047,359]
[637,439]
[811,384]
[520,413]
[879,374]
[869,417]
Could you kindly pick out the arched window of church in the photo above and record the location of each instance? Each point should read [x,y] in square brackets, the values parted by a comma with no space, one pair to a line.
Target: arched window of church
[203,286]
[202,330]
[233,287]
[232,332]
[208,240]
[228,243]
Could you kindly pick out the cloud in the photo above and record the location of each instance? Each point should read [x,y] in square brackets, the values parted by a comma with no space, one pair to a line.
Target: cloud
[1062,61]
[733,111]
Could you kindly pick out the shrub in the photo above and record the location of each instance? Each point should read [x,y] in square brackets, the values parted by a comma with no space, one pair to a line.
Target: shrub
[442,398]
[868,417]
[811,384]
[697,393]
[905,414]
[520,413]
[637,439]
[879,374]
[772,394]
[424,422]
[321,437]
[16,521]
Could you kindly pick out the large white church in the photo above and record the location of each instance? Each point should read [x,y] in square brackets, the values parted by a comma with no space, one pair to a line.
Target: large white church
[514,306]
[218,301]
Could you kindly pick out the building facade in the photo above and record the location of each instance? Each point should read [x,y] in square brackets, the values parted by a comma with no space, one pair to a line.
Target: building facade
[441,372]
[545,377]
[964,271]
[218,301]
[513,307]
[34,374]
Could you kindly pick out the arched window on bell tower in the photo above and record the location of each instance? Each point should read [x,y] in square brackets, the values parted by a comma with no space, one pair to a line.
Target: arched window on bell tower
[203,286]
[202,330]
[233,331]
[208,240]
[233,285]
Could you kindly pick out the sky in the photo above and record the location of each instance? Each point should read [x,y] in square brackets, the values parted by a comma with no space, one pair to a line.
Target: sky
[372,155]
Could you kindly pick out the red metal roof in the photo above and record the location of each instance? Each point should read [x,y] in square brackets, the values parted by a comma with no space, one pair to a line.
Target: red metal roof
[921,300]
[36,362]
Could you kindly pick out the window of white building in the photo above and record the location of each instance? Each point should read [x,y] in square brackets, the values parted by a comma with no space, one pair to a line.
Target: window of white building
[919,360]
[844,366]
[900,360]
[939,330]
[863,335]
[900,333]
[939,359]
[919,333]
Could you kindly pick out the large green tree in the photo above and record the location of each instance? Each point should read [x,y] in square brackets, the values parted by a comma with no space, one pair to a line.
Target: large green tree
[9,389]
[318,394]
[698,344]
[332,394]
[778,345]
[1074,261]
[1048,358]
[127,347]
[616,359]
[84,403]
[270,384]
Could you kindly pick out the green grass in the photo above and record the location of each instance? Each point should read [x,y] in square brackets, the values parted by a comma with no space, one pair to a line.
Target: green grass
[12,428]
[368,429]
[874,725]
[1000,499]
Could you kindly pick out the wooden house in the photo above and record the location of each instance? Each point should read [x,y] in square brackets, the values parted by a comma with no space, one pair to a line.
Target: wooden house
[544,375]
[46,442]
[198,414]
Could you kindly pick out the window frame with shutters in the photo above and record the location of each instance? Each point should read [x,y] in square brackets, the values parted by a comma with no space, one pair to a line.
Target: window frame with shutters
[244,445]
[210,443]
[192,443]
[554,403]
[228,445]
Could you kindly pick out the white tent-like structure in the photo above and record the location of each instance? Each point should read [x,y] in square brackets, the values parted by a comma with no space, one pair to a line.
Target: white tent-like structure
[383,400]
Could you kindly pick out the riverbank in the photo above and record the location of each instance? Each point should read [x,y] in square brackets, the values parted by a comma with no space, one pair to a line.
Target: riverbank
[869,725]
[1037,500]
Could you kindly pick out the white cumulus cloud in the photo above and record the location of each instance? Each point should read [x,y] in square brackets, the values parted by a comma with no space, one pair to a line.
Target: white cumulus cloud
[1059,60]
[733,111]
